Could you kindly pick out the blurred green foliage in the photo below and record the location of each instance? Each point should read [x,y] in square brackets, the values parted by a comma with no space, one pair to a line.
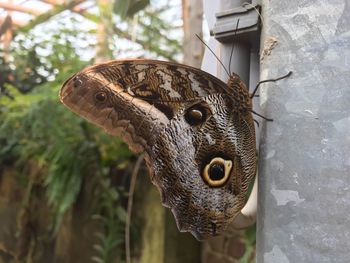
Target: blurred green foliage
[250,241]
[35,61]
[25,74]
[69,153]
[128,8]
[66,150]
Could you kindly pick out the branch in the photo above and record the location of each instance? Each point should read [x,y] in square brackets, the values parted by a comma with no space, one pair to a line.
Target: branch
[144,44]
[5,24]
[46,16]
[71,6]
[19,8]
[15,22]
[126,35]
[76,9]
[130,202]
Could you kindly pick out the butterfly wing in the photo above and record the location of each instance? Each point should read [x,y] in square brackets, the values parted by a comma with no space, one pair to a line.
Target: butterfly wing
[154,90]
[199,141]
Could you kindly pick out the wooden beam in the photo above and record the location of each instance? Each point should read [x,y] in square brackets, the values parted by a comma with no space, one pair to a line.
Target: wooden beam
[5,24]
[15,22]
[53,2]
[82,11]
[19,8]
[76,9]
[47,15]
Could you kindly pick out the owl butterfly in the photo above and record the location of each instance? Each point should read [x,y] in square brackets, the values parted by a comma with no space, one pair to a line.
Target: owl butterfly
[196,131]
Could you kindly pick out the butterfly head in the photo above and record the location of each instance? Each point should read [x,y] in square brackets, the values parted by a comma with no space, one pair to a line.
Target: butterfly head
[87,97]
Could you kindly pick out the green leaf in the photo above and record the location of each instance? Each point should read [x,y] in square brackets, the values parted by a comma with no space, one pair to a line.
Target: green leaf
[128,8]
[97,259]
[250,235]
[98,248]
[121,213]
[99,235]
[137,6]
[121,7]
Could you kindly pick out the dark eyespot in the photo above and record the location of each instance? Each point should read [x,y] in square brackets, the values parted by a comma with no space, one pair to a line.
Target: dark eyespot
[101,96]
[77,82]
[217,172]
[196,115]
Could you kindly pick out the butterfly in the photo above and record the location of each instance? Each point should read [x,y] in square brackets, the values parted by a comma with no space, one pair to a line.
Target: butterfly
[196,131]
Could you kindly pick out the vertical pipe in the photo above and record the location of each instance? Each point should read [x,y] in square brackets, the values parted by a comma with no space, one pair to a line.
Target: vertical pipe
[241,56]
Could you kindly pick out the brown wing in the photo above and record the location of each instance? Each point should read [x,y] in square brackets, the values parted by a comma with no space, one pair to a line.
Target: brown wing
[158,90]
[150,105]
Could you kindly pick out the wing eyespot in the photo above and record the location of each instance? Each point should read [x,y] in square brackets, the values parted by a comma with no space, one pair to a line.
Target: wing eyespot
[217,172]
[101,96]
[77,82]
[196,115]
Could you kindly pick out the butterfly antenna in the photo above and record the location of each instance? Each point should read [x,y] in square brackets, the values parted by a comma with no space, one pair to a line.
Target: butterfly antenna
[227,72]
[257,123]
[269,80]
[233,46]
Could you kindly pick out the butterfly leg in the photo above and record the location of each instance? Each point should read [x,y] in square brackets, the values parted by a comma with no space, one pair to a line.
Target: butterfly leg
[252,95]
[269,80]
[261,116]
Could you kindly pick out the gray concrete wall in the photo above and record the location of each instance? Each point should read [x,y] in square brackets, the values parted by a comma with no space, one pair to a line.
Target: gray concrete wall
[304,206]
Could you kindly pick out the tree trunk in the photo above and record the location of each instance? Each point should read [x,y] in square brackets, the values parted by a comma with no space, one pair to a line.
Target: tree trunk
[104,30]
[6,35]
[193,49]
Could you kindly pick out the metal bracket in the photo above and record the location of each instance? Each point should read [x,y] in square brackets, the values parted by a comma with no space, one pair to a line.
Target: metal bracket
[225,28]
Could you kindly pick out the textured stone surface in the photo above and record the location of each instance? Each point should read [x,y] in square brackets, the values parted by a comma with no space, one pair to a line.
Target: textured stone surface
[305,153]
